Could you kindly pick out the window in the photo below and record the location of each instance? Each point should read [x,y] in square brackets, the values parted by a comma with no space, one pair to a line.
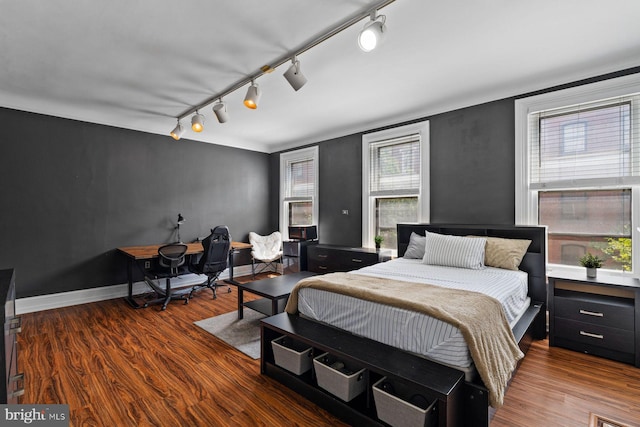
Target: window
[578,171]
[298,188]
[574,137]
[395,181]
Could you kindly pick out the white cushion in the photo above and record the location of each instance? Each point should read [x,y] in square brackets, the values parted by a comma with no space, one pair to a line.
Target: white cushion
[454,251]
[266,248]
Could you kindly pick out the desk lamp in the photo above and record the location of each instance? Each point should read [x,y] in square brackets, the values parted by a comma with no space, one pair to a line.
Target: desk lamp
[177,227]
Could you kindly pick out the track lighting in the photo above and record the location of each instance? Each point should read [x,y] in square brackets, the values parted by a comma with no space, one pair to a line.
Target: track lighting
[197,122]
[177,132]
[368,39]
[294,76]
[253,96]
[220,110]
[372,33]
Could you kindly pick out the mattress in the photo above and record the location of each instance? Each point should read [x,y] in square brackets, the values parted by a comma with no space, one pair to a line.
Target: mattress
[411,331]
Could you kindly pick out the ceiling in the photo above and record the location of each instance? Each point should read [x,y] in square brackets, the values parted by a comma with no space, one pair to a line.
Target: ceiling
[140,64]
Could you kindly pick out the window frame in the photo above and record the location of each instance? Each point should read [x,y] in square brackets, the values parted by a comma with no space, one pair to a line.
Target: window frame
[526,199]
[309,153]
[368,201]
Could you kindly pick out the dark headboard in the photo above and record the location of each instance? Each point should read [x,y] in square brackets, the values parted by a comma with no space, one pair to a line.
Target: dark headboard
[534,262]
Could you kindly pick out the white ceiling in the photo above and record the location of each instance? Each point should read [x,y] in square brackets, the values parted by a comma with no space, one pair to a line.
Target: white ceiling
[139,64]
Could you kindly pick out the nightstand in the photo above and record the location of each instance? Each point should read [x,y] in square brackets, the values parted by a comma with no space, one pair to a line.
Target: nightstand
[599,316]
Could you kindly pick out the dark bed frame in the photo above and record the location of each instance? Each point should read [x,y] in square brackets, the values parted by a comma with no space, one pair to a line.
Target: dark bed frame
[456,401]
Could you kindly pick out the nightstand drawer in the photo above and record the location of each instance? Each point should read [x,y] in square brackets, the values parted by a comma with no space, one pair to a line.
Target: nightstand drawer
[597,310]
[595,335]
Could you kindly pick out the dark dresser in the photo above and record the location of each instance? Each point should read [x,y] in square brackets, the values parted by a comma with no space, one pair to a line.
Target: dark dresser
[14,381]
[599,316]
[331,258]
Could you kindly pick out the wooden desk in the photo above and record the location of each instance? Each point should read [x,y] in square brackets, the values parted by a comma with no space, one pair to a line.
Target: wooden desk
[148,252]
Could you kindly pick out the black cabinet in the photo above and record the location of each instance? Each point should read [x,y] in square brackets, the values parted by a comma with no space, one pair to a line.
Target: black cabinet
[600,316]
[330,258]
[14,381]
[439,386]
[295,255]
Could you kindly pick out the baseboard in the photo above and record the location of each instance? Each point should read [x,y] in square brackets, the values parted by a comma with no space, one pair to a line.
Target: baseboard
[84,296]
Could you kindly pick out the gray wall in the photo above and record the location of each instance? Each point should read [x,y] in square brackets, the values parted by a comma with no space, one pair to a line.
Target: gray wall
[341,188]
[472,169]
[73,192]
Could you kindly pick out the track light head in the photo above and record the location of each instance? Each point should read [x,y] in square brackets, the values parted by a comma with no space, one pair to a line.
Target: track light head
[197,122]
[294,76]
[177,131]
[253,96]
[372,33]
[220,110]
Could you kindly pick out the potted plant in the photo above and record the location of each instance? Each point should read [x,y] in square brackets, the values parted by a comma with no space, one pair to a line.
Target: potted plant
[592,263]
[378,241]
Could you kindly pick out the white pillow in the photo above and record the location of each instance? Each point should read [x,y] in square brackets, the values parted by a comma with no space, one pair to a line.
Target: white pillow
[415,249]
[454,251]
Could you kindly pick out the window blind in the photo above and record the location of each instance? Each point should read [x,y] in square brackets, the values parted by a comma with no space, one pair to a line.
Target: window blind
[395,166]
[594,144]
[300,179]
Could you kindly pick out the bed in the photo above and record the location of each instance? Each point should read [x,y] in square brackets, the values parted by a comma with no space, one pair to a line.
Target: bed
[521,309]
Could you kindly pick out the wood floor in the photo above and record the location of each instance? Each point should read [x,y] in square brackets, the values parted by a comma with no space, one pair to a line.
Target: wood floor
[116,366]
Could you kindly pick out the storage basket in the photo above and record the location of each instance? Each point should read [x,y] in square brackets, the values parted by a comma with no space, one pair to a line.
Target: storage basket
[398,405]
[339,378]
[292,355]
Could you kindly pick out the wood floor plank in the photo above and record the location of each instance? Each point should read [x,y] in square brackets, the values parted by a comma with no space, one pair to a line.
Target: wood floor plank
[115,365]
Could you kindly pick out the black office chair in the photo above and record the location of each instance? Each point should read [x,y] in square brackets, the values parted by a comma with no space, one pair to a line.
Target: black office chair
[170,260]
[214,259]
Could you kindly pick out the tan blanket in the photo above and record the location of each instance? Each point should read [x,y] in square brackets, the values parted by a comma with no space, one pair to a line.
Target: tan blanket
[479,317]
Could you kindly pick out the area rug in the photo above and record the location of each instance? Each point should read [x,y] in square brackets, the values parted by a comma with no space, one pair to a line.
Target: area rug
[600,421]
[242,334]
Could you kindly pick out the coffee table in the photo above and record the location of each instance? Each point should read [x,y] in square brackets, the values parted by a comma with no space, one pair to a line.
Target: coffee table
[275,292]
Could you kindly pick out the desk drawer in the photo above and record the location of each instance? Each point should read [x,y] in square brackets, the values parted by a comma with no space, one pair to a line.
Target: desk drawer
[615,314]
[615,339]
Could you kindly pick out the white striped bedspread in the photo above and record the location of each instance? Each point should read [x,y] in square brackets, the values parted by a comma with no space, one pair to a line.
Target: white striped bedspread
[409,330]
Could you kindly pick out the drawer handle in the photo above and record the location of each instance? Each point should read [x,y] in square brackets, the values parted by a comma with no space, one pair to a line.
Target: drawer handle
[19,391]
[16,378]
[589,334]
[322,256]
[591,313]
[356,260]
[322,267]
[15,325]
